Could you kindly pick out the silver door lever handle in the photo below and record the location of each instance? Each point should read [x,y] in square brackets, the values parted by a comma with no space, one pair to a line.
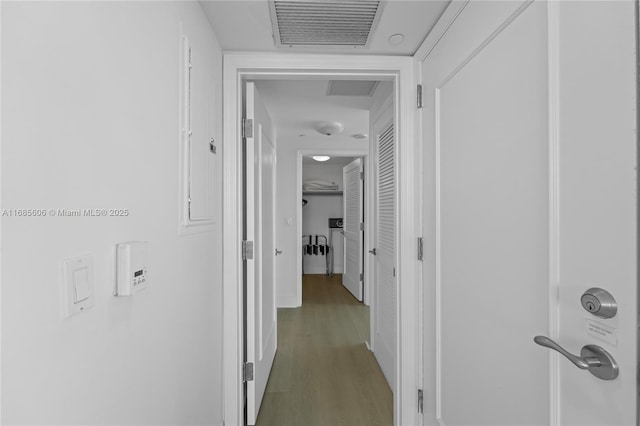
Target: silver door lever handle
[372,251]
[278,252]
[599,362]
[582,363]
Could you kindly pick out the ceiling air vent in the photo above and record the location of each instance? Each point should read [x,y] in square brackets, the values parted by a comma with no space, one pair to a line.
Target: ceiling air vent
[351,88]
[323,23]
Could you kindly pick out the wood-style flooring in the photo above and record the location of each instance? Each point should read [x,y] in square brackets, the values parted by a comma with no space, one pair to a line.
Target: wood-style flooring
[323,373]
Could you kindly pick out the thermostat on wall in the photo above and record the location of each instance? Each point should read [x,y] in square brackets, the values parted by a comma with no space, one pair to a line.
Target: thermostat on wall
[131,268]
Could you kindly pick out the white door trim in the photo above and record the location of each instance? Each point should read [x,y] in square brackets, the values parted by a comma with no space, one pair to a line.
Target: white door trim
[240,66]
[0,227]
[305,153]
[553,70]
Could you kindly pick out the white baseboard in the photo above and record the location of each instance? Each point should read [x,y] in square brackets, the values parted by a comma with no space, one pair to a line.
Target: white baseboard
[288,301]
[315,271]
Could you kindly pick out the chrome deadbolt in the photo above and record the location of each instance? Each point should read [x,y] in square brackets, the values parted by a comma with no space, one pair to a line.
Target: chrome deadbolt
[599,302]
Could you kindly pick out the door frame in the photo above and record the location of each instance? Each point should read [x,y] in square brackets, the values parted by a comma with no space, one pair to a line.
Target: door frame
[364,154]
[239,67]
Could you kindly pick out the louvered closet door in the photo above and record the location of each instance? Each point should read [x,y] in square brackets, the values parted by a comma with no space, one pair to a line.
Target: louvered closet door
[385,292]
[353,234]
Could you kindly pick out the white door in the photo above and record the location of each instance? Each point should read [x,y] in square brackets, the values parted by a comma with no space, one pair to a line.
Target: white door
[261,312]
[384,251]
[530,195]
[352,227]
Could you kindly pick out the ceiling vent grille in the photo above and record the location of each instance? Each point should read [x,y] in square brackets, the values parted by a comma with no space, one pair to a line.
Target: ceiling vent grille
[351,88]
[325,23]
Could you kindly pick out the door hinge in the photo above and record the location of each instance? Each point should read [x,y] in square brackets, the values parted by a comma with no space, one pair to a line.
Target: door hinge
[361,277]
[394,272]
[247,128]
[247,250]
[420,248]
[419,96]
[420,401]
[247,372]
[362,226]
[361,175]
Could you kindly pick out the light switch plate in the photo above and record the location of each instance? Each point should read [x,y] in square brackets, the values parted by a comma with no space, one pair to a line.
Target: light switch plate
[78,282]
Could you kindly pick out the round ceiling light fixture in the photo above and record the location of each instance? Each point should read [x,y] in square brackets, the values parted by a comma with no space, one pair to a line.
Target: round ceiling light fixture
[321,158]
[360,136]
[396,39]
[330,128]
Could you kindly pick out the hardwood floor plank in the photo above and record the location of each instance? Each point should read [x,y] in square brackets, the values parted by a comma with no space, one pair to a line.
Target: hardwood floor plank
[323,374]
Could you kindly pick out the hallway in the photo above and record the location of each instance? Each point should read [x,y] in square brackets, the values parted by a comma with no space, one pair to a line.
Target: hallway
[323,373]
[500,143]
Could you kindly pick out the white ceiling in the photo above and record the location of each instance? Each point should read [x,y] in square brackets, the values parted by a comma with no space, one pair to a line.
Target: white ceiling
[245,25]
[298,106]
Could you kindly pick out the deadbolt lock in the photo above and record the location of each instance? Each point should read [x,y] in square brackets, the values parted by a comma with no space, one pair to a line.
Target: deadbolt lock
[599,302]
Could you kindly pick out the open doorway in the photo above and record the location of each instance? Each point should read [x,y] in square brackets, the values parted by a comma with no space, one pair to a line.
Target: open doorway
[331,117]
[403,324]
[332,222]
[333,194]
[322,127]
[332,219]
[323,203]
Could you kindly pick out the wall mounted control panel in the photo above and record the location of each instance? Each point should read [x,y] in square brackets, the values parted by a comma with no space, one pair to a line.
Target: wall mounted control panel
[131,268]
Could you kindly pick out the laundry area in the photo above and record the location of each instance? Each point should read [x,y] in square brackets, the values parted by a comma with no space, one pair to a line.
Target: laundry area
[322,215]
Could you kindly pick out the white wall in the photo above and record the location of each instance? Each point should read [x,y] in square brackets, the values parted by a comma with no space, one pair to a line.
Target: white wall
[90,120]
[287,209]
[316,213]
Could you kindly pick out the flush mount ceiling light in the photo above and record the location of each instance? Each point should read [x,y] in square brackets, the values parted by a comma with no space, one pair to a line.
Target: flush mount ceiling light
[329,128]
[321,158]
[360,136]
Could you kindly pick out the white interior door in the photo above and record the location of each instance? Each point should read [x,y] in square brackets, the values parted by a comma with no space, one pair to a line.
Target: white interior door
[261,312]
[384,251]
[352,226]
[530,186]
